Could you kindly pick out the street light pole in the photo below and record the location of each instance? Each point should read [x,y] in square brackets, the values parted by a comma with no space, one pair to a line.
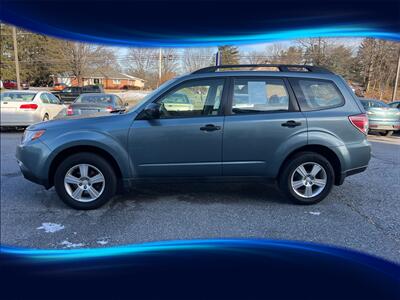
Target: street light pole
[14,33]
[396,81]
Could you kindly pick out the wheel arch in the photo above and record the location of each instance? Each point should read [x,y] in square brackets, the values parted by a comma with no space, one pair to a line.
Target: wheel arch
[325,151]
[59,157]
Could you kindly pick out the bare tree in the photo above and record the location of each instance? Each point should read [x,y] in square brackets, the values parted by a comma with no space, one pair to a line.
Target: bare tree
[80,58]
[255,57]
[196,58]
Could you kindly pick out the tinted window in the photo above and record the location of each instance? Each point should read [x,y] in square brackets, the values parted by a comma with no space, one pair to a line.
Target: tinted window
[259,95]
[72,90]
[195,98]
[315,94]
[377,104]
[17,96]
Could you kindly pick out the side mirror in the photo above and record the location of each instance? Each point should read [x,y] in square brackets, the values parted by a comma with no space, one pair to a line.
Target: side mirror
[152,111]
[126,104]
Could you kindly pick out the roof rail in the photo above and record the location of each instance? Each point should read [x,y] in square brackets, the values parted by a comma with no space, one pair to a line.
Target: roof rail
[281,68]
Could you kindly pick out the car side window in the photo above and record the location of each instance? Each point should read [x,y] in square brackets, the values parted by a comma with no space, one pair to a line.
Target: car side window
[316,94]
[192,99]
[118,101]
[53,99]
[44,98]
[259,96]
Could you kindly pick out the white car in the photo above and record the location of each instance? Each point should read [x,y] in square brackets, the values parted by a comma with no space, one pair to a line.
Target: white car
[23,108]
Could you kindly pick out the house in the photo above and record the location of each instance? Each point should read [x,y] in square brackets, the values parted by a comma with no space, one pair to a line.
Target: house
[108,79]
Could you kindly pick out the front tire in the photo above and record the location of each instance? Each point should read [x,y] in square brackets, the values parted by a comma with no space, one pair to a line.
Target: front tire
[307,178]
[85,181]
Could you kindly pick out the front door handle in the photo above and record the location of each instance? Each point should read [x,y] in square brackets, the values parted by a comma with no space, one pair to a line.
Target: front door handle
[210,127]
[291,124]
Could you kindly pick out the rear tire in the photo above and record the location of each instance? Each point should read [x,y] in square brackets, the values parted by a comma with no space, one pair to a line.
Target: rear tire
[388,133]
[86,187]
[311,188]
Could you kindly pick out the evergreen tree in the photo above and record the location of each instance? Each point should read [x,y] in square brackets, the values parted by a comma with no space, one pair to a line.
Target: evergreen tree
[229,55]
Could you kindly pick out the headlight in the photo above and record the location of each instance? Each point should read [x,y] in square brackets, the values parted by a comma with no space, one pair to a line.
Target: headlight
[31,135]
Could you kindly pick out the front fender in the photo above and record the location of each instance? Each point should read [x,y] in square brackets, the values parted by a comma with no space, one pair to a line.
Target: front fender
[102,140]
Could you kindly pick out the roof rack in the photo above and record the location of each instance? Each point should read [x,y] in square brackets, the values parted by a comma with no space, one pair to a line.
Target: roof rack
[281,68]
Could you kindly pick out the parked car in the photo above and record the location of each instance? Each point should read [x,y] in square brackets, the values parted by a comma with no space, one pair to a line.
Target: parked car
[23,108]
[12,85]
[69,94]
[59,86]
[395,104]
[95,103]
[177,102]
[308,146]
[382,118]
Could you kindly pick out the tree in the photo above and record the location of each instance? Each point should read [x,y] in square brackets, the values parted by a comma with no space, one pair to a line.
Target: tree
[293,55]
[196,58]
[81,58]
[229,55]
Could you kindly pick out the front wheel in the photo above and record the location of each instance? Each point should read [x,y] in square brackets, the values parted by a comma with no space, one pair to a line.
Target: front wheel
[307,178]
[85,181]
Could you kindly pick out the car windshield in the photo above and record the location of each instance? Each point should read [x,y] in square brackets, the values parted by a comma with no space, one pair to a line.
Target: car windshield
[17,96]
[99,99]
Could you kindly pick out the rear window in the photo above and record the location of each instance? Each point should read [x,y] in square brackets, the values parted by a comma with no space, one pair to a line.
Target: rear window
[317,94]
[22,97]
[376,104]
[99,99]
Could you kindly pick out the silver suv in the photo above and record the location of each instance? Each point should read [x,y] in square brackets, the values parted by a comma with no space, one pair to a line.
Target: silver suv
[299,125]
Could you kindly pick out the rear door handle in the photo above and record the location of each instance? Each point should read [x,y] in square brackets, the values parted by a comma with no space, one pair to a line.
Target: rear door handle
[210,127]
[291,123]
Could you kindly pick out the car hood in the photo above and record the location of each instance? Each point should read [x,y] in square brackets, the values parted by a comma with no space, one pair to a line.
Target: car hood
[76,121]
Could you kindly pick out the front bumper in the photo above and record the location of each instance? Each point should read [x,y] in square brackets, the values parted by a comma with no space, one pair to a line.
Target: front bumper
[32,158]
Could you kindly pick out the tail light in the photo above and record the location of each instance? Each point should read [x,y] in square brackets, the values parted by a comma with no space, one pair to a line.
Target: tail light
[109,108]
[70,111]
[29,106]
[360,122]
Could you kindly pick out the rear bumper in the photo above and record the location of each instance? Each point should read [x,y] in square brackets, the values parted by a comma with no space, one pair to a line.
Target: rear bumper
[354,159]
[384,125]
[343,175]
[20,118]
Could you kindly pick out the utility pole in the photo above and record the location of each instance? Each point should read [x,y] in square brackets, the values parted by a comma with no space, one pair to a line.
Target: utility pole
[396,81]
[159,66]
[14,33]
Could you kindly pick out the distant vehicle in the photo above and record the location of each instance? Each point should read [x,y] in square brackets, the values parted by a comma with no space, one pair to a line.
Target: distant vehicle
[12,85]
[69,94]
[95,103]
[24,108]
[59,86]
[395,104]
[302,126]
[382,118]
[178,102]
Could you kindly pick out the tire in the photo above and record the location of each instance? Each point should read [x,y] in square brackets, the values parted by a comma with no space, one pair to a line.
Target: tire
[308,160]
[388,133]
[46,117]
[96,165]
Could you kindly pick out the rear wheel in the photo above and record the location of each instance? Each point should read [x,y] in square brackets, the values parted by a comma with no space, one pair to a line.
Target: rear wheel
[388,133]
[307,178]
[85,181]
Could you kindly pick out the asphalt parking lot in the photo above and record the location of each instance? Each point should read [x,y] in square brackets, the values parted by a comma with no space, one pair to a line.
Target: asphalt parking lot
[362,214]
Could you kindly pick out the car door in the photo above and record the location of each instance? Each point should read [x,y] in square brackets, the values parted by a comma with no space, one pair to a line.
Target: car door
[184,141]
[262,118]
